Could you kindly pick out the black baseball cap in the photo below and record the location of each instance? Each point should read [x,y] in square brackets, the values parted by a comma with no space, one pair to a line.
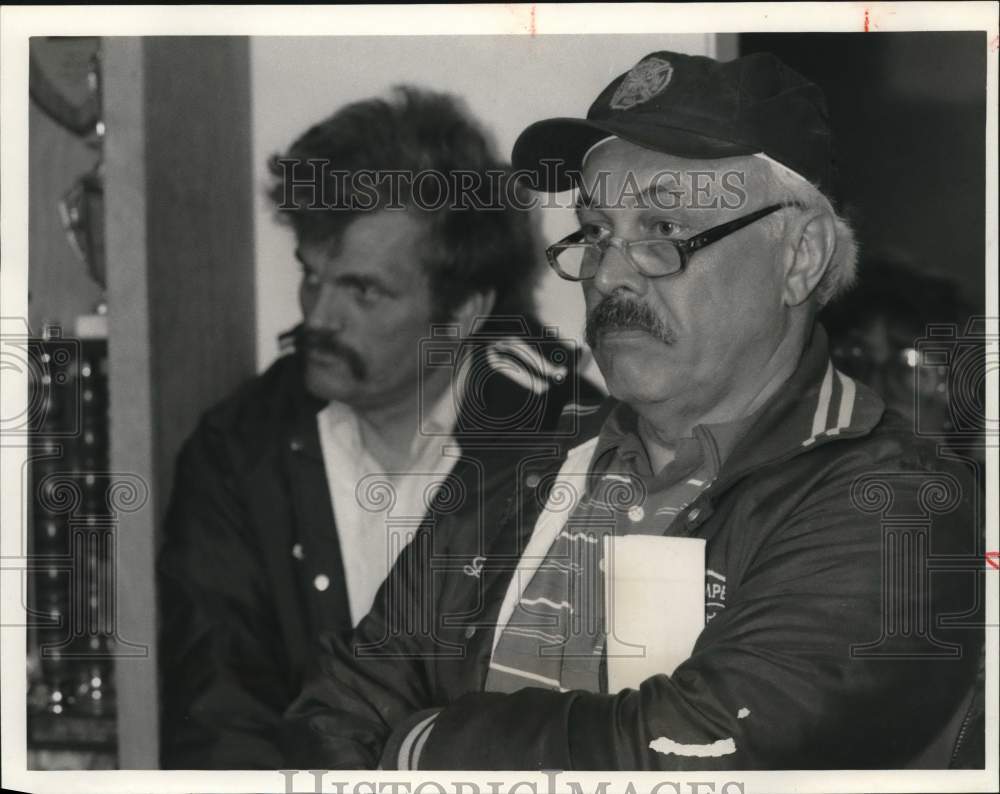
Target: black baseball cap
[692,106]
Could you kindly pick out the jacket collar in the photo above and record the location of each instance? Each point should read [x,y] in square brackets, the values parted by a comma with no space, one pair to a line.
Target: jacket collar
[817,405]
[303,430]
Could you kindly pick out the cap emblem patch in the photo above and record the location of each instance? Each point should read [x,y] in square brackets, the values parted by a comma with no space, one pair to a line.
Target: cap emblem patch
[645,80]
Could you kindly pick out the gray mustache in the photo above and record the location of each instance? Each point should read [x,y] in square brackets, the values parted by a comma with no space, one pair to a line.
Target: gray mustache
[616,313]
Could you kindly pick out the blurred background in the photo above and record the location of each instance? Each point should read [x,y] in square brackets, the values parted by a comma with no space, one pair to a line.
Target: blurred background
[159,280]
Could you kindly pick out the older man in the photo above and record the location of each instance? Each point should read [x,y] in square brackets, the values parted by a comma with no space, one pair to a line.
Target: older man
[706,246]
[417,366]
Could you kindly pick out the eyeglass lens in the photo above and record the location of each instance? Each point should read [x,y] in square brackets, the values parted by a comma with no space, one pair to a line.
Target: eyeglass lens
[653,258]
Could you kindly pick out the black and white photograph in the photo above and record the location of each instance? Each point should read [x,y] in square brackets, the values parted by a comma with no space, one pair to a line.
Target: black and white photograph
[487,399]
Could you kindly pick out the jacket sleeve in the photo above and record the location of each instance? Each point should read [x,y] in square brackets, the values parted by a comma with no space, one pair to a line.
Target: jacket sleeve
[222,689]
[366,691]
[775,679]
[365,686]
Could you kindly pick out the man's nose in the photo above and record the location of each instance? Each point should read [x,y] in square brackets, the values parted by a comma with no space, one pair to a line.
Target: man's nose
[615,272]
[326,310]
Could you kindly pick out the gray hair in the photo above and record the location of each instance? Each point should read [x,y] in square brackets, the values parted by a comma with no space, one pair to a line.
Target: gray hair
[789,187]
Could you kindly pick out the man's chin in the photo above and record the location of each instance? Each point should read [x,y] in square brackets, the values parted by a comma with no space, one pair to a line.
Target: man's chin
[327,383]
[635,366]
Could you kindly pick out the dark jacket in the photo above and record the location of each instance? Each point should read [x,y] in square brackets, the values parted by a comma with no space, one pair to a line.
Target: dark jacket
[823,649]
[250,528]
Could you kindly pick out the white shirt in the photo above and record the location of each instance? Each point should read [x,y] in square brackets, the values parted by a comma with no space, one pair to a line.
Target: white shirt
[378,512]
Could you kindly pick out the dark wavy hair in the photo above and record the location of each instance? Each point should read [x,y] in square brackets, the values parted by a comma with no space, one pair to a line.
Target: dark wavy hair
[486,242]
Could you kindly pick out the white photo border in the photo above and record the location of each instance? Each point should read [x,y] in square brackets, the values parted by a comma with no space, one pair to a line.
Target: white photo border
[17,24]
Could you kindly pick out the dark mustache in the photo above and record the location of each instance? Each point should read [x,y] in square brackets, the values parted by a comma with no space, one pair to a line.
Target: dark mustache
[617,313]
[323,341]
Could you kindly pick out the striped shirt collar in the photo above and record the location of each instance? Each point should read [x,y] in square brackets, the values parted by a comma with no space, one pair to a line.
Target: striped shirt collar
[708,446]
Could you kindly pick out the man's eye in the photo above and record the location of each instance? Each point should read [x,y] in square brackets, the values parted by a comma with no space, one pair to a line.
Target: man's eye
[593,233]
[367,293]
[665,229]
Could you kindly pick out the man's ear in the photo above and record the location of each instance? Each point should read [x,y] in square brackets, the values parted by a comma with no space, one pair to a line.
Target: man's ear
[474,310]
[811,241]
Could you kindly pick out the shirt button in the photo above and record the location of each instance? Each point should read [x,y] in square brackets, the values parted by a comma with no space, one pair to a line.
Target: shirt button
[470,632]
[636,514]
[532,480]
[295,444]
[321,582]
[693,515]
[297,552]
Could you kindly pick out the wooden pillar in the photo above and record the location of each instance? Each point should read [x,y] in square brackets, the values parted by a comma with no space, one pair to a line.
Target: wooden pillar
[179,234]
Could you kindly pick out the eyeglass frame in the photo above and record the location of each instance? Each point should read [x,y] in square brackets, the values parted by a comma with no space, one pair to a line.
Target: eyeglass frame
[685,248]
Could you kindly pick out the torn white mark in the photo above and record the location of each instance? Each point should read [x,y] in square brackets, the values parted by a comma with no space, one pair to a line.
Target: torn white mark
[713,750]
[743,713]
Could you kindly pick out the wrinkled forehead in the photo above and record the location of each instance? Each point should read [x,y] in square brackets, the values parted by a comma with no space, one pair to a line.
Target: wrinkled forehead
[619,174]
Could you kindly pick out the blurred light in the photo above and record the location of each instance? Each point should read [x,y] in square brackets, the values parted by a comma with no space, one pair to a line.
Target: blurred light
[911,356]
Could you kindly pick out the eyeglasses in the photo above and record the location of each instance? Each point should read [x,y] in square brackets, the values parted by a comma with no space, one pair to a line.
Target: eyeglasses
[576,260]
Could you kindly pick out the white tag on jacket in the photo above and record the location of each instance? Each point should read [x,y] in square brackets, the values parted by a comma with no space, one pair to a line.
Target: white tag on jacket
[654,597]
